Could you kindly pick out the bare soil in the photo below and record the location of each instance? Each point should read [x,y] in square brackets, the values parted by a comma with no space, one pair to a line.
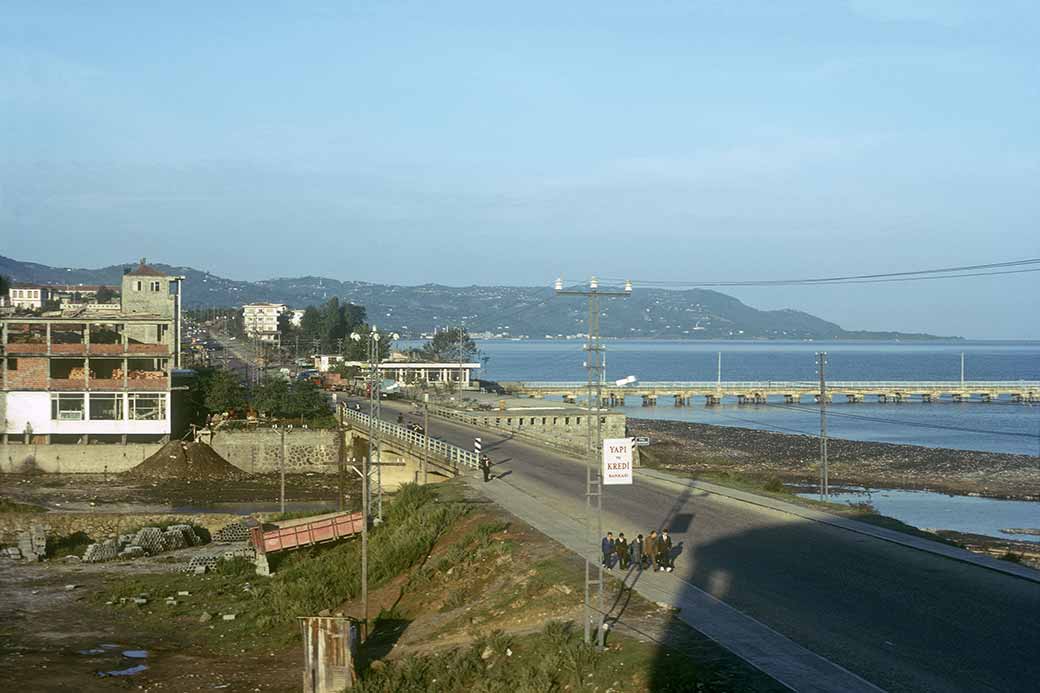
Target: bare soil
[186,461]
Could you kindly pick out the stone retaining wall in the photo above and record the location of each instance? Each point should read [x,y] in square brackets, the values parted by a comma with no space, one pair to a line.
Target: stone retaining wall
[101,525]
[57,458]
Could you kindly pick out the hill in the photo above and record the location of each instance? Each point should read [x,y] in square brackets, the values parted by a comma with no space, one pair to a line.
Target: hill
[511,310]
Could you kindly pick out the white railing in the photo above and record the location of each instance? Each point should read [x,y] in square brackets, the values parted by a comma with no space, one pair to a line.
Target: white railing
[451,454]
[750,385]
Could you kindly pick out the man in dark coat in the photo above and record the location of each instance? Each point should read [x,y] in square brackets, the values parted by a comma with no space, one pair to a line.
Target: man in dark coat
[607,545]
[650,549]
[664,551]
[485,467]
[637,551]
[621,548]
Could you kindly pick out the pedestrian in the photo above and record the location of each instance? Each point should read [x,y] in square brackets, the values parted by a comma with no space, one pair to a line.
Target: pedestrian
[637,551]
[607,545]
[664,551]
[650,550]
[621,548]
[485,467]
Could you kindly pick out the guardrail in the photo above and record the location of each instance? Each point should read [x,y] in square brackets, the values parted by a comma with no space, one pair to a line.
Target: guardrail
[451,454]
[951,385]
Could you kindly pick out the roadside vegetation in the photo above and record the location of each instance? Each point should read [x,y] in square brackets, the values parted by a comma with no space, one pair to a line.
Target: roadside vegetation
[9,506]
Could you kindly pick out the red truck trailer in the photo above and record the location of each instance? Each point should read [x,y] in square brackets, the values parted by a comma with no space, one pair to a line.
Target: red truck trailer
[306,531]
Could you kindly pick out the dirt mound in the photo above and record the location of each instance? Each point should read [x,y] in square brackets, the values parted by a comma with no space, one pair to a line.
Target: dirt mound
[190,461]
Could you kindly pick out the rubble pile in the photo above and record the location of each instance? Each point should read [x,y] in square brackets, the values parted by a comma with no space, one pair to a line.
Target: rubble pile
[31,545]
[181,461]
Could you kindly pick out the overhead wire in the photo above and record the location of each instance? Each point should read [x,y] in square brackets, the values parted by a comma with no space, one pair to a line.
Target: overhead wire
[987,269]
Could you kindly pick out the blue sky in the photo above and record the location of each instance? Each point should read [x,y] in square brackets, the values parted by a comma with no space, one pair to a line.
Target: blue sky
[464,143]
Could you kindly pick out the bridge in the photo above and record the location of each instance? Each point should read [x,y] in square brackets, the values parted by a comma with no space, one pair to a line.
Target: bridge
[758,392]
[405,442]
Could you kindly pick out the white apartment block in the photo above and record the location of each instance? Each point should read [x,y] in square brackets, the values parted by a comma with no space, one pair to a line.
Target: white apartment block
[260,320]
[28,296]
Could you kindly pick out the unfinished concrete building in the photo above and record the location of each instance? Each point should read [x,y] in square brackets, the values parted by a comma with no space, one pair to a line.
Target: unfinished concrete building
[92,376]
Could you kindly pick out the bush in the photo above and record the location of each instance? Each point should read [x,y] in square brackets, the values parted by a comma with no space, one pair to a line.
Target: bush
[774,485]
[70,545]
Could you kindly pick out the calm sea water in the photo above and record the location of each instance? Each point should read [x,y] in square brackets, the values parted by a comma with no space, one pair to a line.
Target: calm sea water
[998,427]
[960,513]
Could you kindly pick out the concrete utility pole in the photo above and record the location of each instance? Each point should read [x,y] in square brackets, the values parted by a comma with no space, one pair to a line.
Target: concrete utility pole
[281,465]
[593,475]
[962,372]
[341,460]
[426,439]
[374,410]
[821,363]
[719,380]
[364,536]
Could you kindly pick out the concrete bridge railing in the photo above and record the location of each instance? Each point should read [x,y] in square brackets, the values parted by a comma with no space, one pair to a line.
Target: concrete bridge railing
[451,454]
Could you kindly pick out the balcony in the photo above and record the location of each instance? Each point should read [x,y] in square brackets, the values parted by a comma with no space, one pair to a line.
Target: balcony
[155,349]
[79,384]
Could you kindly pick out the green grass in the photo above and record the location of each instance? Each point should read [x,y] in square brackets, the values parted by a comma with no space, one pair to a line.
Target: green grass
[554,660]
[305,581]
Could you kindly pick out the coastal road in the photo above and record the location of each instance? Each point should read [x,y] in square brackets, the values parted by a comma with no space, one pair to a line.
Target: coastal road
[902,619]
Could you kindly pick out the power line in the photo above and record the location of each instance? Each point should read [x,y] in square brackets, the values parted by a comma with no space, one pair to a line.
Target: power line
[989,269]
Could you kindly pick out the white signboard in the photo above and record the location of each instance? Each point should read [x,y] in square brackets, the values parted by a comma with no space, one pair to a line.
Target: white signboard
[617,461]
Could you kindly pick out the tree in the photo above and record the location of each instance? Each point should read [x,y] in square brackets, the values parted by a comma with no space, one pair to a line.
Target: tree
[105,294]
[5,284]
[221,391]
[310,327]
[451,345]
[284,400]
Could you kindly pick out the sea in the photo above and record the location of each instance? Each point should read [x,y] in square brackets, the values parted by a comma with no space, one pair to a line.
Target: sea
[999,426]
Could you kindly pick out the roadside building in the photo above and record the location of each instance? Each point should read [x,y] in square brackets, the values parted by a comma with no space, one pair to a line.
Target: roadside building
[410,372]
[260,320]
[28,296]
[93,376]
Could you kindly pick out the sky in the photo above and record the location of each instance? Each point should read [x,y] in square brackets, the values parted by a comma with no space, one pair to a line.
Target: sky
[509,143]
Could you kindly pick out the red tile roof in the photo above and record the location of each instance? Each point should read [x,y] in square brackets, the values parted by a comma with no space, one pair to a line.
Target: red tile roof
[143,270]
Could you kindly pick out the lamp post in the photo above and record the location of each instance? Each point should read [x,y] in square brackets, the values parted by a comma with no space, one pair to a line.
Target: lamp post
[374,409]
[593,477]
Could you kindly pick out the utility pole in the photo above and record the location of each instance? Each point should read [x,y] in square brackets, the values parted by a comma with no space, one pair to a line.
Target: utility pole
[342,461]
[719,379]
[364,536]
[374,411]
[281,469]
[594,432]
[426,439]
[962,372]
[821,363]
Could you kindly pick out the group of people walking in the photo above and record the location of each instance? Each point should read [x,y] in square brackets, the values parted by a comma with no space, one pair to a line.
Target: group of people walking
[653,551]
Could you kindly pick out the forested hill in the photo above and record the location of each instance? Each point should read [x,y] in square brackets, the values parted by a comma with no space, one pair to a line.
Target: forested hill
[516,311]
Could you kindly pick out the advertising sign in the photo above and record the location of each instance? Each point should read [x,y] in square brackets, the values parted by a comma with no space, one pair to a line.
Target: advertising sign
[617,461]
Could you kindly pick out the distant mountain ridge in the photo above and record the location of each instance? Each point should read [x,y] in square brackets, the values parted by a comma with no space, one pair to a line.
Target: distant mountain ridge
[511,310]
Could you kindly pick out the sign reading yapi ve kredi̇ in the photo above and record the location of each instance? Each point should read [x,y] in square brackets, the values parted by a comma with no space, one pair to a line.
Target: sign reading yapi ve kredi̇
[617,461]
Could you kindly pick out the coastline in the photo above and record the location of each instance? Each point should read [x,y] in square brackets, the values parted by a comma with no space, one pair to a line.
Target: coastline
[794,459]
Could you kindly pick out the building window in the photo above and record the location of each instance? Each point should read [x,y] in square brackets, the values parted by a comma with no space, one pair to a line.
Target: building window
[566,421]
[154,286]
[543,420]
[12,364]
[147,407]
[106,407]
[578,420]
[137,285]
[67,407]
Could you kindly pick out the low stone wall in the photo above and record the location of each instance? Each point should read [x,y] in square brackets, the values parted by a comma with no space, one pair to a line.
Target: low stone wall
[563,430]
[101,525]
[57,458]
[259,451]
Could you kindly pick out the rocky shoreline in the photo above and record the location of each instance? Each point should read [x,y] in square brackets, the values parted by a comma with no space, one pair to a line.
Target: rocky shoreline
[694,447]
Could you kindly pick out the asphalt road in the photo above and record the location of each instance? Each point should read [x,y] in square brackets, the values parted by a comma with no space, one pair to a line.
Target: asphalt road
[903,619]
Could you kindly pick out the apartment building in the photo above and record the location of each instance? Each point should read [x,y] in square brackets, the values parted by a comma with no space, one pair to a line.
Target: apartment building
[260,320]
[28,296]
[93,376]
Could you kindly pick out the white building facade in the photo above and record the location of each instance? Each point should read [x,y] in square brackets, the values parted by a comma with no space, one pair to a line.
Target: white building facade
[260,320]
